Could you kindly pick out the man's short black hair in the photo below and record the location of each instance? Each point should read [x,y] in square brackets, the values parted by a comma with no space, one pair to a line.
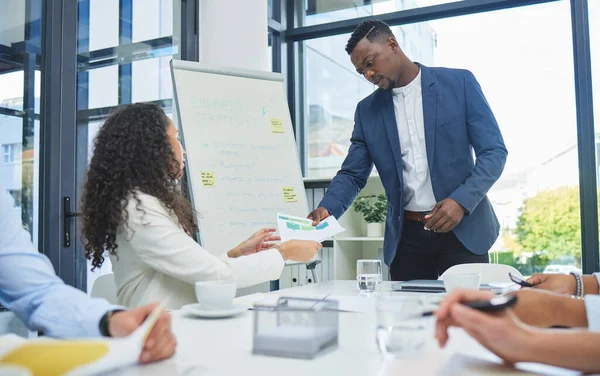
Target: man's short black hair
[372,30]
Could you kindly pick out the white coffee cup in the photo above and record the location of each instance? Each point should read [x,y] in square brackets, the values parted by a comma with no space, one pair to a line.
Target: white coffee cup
[215,295]
[462,281]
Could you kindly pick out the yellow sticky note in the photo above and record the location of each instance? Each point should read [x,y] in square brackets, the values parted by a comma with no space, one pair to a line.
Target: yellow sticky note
[289,194]
[276,125]
[208,179]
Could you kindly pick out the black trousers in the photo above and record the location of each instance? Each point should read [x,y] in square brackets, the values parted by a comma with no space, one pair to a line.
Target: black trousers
[425,254]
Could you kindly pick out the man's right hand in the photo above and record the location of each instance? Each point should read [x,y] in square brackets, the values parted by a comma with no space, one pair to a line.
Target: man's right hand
[299,250]
[318,215]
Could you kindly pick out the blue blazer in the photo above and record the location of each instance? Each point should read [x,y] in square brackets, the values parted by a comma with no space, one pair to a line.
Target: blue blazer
[458,120]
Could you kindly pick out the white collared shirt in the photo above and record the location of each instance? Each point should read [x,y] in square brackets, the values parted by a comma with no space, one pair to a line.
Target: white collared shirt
[408,106]
[30,288]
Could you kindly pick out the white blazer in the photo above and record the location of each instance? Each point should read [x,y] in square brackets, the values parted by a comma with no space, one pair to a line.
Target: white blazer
[157,261]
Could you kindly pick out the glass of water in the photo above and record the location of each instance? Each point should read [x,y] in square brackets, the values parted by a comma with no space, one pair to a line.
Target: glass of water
[401,330]
[368,275]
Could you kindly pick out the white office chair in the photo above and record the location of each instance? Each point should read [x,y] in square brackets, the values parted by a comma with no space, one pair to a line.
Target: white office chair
[105,287]
[10,323]
[489,272]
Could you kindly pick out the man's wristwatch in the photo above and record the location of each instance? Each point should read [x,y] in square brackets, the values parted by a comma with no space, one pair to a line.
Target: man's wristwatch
[104,322]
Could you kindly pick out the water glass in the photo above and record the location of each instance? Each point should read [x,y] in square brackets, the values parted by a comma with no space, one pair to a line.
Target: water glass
[401,330]
[368,275]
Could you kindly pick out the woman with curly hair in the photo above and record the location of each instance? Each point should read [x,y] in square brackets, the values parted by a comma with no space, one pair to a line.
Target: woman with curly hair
[134,208]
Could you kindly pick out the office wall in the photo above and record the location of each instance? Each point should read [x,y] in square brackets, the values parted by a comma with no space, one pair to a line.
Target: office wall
[234,33]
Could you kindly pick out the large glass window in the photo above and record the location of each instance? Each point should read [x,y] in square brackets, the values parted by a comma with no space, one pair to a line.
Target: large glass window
[526,72]
[323,11]
[333,88]
[20,37]
[594,17]
[11,152]
[594,22]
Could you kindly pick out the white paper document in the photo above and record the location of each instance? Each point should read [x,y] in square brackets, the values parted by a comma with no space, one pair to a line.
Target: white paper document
[299,228]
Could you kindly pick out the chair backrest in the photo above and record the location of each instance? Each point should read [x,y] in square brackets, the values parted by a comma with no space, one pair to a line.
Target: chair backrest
[105,287]
[10,323]
[489,272]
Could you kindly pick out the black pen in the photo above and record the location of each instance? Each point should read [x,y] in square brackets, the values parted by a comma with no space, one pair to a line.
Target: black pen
[495,304]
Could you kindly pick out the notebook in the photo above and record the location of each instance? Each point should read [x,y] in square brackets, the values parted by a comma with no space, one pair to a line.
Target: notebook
[419,285]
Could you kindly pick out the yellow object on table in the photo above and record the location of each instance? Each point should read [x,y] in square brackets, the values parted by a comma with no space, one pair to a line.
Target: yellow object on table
[49,357]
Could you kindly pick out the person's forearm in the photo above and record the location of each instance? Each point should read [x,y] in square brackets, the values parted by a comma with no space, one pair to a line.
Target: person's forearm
[30,288]
[577,350]
[590,285]
[570,312]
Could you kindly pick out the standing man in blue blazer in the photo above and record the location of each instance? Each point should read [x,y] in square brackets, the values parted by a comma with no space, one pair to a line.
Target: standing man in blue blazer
[420,129]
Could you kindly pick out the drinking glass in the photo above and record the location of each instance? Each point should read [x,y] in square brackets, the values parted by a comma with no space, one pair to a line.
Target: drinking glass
[401,330]
[368,275]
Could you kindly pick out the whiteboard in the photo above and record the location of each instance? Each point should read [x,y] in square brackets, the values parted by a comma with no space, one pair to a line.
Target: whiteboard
[242,160]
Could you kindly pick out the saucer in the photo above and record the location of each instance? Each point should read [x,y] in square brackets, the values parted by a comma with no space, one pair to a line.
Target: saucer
[196,310]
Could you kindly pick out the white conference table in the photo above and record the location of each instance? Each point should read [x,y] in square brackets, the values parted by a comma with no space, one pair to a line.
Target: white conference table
[224,347]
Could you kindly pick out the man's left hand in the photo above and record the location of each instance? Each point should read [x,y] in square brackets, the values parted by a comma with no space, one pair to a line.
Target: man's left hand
[161,342]
[444,216]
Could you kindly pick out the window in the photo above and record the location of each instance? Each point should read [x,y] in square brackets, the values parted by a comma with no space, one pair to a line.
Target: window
[270,51]
[329,112]
[526,72]
[20,35]
[8,153]
[594,22]
[323,11]
[594,18]
[11,95]
[11,153]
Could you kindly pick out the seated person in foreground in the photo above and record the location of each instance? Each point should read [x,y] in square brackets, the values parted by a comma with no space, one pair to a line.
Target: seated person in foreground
[513,336]
[30,288]
[134,207]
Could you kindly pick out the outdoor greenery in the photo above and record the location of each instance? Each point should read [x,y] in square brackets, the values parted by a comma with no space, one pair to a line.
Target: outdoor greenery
[548,228]
[550,221]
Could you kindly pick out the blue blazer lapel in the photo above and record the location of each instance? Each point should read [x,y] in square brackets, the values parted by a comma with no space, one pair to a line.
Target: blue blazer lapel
[391,127]
[429,93]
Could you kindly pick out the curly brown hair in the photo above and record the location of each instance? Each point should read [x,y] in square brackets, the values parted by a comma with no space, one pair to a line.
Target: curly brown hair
[132,153]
